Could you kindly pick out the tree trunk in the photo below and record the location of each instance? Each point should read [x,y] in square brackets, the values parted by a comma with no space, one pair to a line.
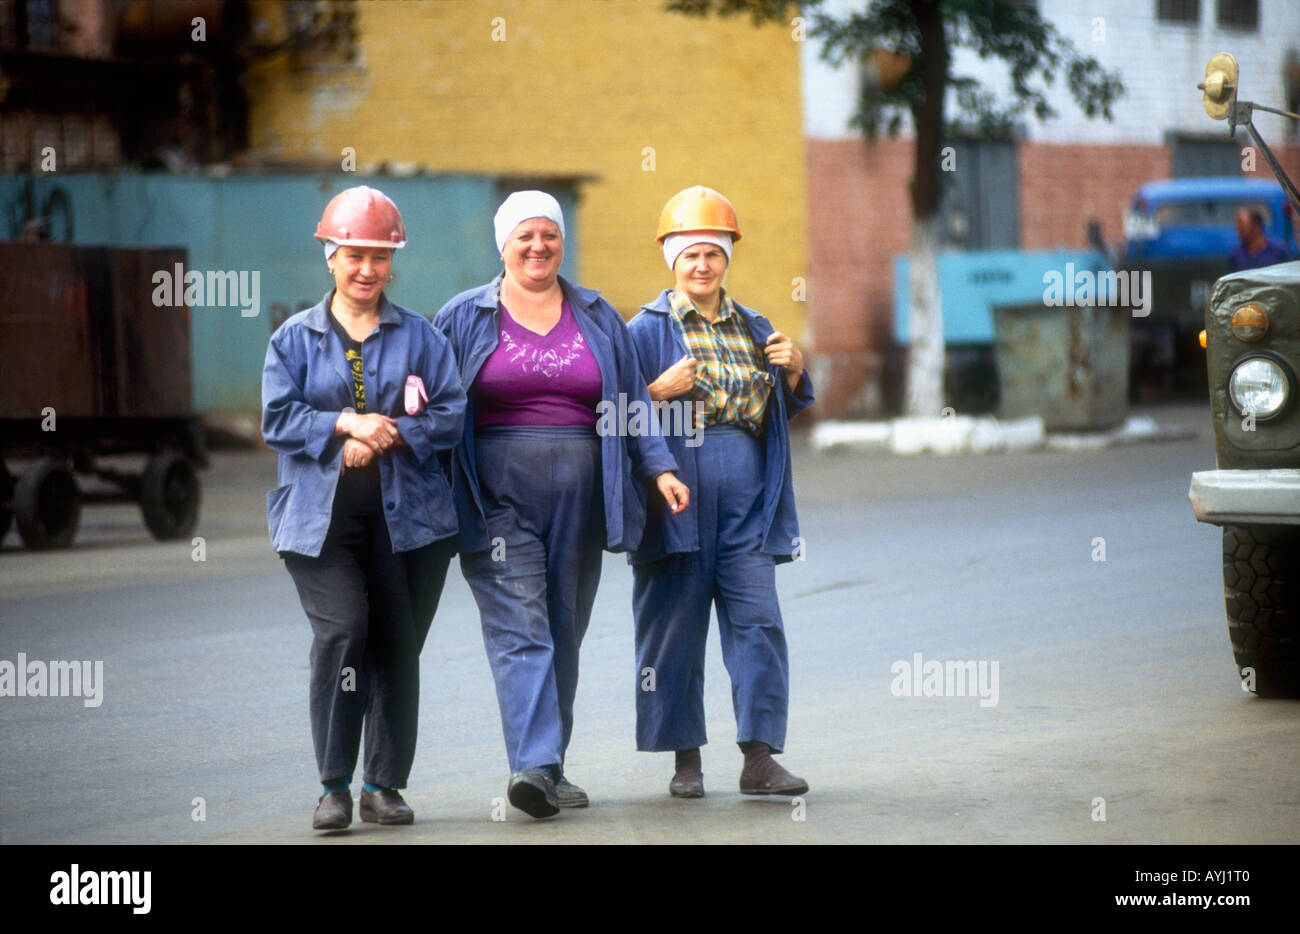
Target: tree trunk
[923,394]
[924,391]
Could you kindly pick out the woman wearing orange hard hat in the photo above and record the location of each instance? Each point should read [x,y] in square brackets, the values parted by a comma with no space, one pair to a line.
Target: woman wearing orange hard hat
[359,397]
[743,381]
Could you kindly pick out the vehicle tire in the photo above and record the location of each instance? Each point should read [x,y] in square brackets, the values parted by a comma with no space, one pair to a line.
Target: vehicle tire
[169,496]
[1261,590]
[6,501]
[47,505]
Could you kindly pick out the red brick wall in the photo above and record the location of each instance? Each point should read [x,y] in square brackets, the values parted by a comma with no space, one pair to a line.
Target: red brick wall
[860,218]
[1063,186]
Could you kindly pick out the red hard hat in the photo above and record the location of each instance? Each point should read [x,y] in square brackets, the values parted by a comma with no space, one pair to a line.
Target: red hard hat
[362,216]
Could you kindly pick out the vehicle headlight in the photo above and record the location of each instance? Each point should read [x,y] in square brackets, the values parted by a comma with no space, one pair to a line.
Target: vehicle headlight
[1260,386]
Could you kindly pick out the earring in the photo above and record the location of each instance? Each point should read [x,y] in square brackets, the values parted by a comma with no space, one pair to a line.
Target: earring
[390,277]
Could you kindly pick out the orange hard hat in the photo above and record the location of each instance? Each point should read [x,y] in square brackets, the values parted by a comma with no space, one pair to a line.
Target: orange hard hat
[362,216]
[698,208]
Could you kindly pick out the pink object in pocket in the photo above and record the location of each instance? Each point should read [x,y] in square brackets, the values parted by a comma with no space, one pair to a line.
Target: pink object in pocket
[416,397]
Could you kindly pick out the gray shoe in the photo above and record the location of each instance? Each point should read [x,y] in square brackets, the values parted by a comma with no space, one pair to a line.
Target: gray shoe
[333,811]
[569,795]
[533,792]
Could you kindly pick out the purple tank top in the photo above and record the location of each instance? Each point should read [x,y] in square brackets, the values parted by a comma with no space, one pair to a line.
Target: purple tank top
[538,379]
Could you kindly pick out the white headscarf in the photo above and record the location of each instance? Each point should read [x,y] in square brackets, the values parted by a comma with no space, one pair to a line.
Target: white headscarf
[676,244]
[519,207]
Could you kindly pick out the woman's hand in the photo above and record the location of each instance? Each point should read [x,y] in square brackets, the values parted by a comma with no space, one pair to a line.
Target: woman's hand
[357,453]
[378,432]
[675,493]
[782,352]
[677,380]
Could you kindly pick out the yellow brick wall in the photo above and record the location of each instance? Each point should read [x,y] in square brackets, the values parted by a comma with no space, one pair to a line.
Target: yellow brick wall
[578,87]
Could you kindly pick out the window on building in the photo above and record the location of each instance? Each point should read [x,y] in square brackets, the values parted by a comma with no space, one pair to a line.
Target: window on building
[980,203]
[1178,11]
[1239,14]
[8,27]
[1197,157]
[29,24]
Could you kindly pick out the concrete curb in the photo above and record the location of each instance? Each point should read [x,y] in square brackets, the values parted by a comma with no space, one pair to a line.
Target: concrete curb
[982,434]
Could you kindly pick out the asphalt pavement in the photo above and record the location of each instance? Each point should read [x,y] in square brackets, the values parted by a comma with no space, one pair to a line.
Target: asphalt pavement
[1117,715]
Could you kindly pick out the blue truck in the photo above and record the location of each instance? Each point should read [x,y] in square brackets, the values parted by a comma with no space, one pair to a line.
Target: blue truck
[1181,231]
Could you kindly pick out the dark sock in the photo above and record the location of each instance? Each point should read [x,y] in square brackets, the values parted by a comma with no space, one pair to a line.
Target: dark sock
[340,785]
[373,789]
[688,759]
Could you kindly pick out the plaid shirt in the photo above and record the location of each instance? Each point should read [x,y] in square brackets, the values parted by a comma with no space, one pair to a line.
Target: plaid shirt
[731,377]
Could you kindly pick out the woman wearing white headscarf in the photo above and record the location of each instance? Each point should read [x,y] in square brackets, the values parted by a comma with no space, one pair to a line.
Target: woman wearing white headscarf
[539,490]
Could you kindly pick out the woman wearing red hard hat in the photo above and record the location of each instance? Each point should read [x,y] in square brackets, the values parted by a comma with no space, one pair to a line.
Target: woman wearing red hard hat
[359,397]
[743,381]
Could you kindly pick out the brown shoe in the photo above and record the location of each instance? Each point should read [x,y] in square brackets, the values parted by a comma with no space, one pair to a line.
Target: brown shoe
[385,807]
[763,775]
[333,811]
[688,781]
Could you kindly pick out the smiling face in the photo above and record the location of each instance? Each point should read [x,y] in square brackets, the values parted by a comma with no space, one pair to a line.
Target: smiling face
[533,253]
[699,270]
[360,272]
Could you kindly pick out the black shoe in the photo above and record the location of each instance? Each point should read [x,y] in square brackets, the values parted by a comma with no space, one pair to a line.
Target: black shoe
[533,792]
[569,795]
[385,807]
[333,811]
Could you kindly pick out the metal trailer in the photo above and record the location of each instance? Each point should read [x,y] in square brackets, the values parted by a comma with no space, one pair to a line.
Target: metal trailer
[92,367]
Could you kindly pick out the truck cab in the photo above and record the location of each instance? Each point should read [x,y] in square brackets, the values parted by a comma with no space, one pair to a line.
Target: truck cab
[1181,231]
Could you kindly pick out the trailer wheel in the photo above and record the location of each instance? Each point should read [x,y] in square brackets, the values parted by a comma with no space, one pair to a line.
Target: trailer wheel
[169,496]
[6,501]
[47,505]
[1261,589]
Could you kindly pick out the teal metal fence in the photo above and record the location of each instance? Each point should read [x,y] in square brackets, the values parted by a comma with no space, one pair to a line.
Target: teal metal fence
[263,224]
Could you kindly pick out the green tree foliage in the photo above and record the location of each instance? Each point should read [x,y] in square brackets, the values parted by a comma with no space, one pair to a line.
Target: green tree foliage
[1035,52]
[926,32]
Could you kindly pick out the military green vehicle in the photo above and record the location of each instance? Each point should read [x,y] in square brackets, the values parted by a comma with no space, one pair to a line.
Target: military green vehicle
[1252,343]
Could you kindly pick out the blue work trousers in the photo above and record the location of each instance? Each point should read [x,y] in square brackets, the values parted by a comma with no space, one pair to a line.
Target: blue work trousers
[672,598]
[536,583]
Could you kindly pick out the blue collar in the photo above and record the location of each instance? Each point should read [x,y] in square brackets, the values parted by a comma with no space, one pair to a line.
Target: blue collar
[317,317]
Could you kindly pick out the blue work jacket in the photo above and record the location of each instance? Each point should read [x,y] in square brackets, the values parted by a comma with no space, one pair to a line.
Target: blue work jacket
[471,321]
[658,346]
[306,384]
